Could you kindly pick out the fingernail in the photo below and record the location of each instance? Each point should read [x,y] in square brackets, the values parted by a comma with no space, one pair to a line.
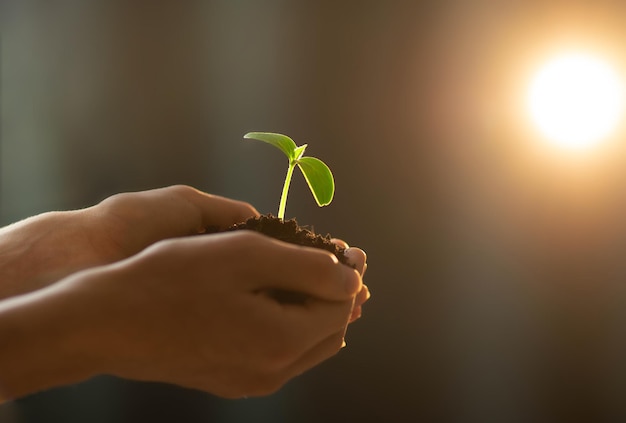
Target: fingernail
[358,258]
[343,344]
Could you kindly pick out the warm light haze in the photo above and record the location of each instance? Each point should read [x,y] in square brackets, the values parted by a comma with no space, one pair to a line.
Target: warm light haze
[576,100]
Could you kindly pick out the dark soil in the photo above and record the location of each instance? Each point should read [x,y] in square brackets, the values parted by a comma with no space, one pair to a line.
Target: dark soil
[288,231]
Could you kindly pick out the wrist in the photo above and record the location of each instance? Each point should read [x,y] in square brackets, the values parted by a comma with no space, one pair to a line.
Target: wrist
[46,248]
[49,338]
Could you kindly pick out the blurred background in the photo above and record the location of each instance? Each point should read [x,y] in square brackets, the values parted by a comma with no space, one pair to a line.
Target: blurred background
[497,261]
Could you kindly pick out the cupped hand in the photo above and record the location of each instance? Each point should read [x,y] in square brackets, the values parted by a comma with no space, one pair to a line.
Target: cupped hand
[132,221]
[201,311]
[44,249]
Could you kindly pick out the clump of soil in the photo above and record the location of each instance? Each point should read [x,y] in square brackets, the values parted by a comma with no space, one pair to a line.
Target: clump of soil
[288,231]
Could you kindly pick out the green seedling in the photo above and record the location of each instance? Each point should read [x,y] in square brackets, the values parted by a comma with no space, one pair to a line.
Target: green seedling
[317,175]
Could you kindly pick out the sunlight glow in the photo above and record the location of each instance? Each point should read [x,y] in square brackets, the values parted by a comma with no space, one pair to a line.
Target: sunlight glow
[576,100]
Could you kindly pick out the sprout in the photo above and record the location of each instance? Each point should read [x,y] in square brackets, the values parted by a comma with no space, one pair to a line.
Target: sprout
[317,175]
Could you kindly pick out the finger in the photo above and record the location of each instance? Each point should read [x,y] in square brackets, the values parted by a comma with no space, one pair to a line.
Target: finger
[215,210]
[361,298]
[177,210]
[312,271]
[357,258]
[306,325]
[322,351]
[363,295]
[356,314]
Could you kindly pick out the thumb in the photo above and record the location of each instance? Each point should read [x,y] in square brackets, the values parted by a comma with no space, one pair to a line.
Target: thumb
[220,211]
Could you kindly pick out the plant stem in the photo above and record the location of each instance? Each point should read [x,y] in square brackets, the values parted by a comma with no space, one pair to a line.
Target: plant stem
[283,197]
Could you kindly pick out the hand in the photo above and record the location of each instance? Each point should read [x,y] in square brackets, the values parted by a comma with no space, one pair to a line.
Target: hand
[194,311]
[357,258]
[220,328]
[43,249]
[133,221]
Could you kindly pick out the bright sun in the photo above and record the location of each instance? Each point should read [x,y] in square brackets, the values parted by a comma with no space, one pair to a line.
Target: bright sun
[576,100]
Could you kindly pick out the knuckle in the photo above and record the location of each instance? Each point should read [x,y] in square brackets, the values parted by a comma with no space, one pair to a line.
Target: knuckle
[248,241]
[182,190]
[325,258]
[248,210]
[163,245]
[116,201]
[327,266]
[160,249]
[124,207]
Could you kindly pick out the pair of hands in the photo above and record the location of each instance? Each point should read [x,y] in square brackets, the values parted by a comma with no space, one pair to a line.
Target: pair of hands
[153,303]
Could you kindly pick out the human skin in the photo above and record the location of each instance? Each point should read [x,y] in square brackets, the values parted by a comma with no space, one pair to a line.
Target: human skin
[92,296]
[45,248]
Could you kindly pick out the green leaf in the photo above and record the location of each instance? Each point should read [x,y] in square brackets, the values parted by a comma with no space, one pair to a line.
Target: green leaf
[298,152]
[280,141]
[319,178]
